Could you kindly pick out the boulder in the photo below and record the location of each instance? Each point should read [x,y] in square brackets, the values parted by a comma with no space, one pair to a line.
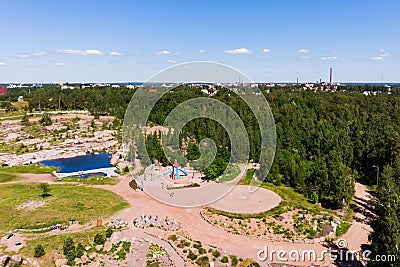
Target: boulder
[92,255]
[78,261]
[107,246]
[61,262]
[115,237]
[84,259]
[4,260]
[16,259]
[98,247]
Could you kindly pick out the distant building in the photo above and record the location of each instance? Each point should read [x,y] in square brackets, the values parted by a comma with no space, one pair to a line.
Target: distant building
[21,98]
[3,90]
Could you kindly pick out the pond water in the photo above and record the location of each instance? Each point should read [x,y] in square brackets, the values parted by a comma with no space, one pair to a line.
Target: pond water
[80,163]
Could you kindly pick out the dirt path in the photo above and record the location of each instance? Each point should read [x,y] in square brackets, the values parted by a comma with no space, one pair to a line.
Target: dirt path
[198,229]
[357,235]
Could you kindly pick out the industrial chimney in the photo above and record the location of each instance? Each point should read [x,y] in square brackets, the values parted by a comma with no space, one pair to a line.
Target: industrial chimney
[330,76]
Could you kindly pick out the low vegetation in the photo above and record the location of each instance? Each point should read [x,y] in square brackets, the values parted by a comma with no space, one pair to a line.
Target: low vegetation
[22,206]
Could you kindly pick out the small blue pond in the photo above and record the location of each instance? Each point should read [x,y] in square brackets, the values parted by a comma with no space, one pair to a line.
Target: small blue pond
[80,163]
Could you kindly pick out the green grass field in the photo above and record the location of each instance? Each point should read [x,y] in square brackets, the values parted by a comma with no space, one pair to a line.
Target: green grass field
[9,177]
[94,180]
[33,168]
[66,202]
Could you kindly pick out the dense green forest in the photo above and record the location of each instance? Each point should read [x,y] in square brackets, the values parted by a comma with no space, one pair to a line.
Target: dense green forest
[326,141]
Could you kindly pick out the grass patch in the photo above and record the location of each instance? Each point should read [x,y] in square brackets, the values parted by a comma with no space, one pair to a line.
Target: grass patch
[94,180]
[32,168]
[55,243]
[342,228]
[65,203]
[9,177]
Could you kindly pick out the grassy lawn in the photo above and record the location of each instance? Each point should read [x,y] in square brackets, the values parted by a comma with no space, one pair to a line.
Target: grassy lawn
[55,243]
[66,202]
[8,177]
[33,168]
[94,180]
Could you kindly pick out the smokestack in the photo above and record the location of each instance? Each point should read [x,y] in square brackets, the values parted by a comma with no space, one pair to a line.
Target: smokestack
[330,76]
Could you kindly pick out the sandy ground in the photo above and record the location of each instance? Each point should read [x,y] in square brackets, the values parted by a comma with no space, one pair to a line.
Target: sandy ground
[199,229]
[240,200]
[360,229]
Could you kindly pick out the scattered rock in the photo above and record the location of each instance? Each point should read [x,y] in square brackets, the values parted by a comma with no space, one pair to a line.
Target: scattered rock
[92,255]
[78,261]
[4,260]
[107,246]
[61,262]
[115,237]
[16,259]
[98,247]
[84,259]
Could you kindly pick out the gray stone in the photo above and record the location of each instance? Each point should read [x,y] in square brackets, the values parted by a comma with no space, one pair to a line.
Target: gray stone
[61,262]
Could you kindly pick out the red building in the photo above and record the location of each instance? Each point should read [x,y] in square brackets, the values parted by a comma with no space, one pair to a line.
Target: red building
[3,90]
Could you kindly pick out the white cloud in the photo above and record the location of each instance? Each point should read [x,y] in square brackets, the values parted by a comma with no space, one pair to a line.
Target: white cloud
[163,52]
[58,64]
[31,54]
[3,64]
[385,54]
[328,58]
[39,53]
[201,51]
[376,58]
[22,55]
[266,50]
[171,61]
[114,53]
[306,51]
[239,51]
[91,52]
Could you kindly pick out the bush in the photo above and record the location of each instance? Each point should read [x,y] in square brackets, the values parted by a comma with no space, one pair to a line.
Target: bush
[191,255]
[99,239]
[234,260]
[39,251]
[80,250]
[216,253]
[45,120]
[173,238]
[224,259]
[203,261]
[109,232]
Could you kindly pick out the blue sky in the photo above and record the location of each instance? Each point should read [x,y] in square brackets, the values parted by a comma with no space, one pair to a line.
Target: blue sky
[110,41]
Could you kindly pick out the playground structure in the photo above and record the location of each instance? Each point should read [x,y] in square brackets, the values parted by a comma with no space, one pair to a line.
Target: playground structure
[175,171]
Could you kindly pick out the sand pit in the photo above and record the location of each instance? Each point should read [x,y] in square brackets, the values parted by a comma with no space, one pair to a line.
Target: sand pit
[240,200]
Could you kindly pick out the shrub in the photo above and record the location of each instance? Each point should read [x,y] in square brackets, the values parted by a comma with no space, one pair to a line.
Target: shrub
[39,251]
[191,255]
[224,259]
[234,260]
[173,238]
[99,239]
[216,253]
[109,232]
[80,250]
[203,261]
